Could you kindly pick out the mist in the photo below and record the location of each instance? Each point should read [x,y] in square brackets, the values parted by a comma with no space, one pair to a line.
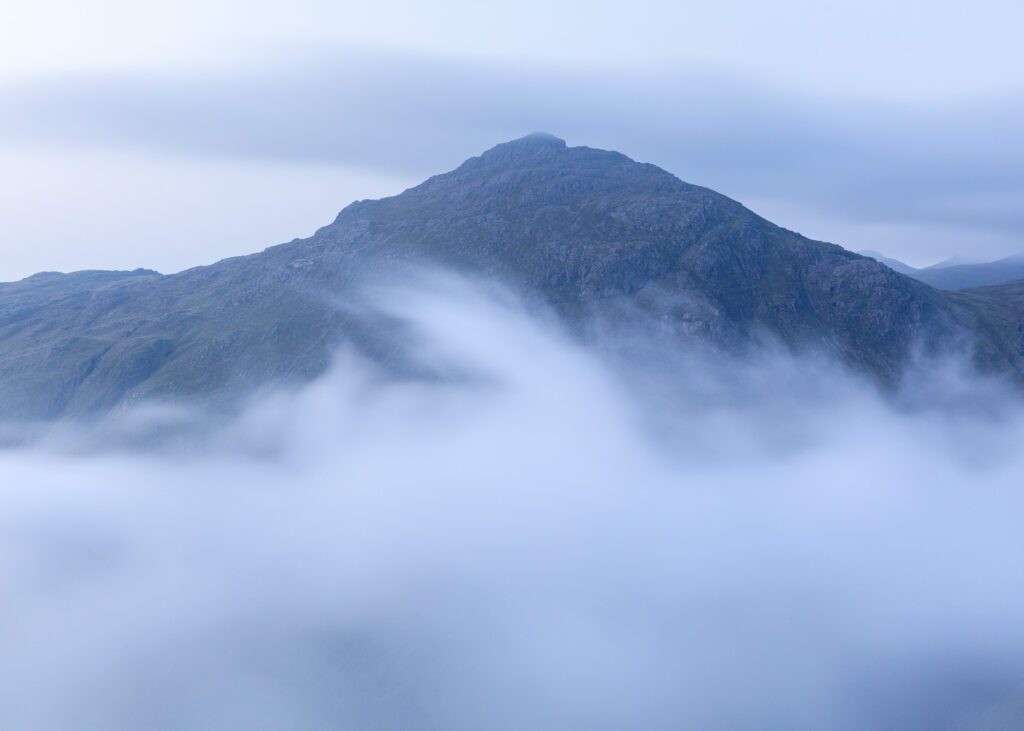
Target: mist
[536,533]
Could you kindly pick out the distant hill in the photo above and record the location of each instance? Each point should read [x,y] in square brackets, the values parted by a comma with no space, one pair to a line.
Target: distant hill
[895,264]
[964,276]
[576,227]
[951,275]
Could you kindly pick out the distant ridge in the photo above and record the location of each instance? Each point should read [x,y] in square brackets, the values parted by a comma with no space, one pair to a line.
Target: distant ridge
[950,275]
[895,264]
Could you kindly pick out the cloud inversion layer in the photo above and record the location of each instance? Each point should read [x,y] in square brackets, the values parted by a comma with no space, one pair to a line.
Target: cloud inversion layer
[552,539]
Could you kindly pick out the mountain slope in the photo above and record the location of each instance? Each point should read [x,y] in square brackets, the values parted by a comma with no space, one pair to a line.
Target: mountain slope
[575,227]
[998,312]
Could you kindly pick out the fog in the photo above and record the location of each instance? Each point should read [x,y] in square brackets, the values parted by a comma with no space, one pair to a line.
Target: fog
[537,534]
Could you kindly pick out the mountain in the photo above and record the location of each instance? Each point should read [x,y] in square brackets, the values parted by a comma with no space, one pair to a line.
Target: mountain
[950,274]
[999,321]
[955,261]
[579,228]
[964,276]
[895,264]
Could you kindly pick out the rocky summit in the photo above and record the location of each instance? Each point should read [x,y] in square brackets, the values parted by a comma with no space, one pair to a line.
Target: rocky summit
[575,227]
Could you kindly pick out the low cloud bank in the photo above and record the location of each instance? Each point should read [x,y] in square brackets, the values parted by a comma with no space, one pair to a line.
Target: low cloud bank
[545,537]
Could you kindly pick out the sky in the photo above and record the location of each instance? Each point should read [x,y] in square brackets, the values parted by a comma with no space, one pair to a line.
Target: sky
[172,134]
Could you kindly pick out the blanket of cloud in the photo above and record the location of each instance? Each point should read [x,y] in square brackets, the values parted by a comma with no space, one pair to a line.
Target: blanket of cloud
[541,534]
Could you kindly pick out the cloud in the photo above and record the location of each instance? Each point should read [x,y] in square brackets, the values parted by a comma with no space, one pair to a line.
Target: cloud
[953,164]
[559,536]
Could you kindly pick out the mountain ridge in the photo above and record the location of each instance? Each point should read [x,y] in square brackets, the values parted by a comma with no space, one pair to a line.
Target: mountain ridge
[576,227]
[949,275]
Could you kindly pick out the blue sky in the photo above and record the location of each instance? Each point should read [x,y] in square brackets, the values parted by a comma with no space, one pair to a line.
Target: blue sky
[172,134]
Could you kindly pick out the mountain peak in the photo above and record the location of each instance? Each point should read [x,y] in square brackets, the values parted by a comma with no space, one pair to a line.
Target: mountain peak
[538,139]
[534,144]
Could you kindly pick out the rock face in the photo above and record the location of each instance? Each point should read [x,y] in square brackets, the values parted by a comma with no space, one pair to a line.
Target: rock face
[573,226]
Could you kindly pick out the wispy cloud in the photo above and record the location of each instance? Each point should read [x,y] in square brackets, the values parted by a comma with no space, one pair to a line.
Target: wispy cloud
[942,164]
